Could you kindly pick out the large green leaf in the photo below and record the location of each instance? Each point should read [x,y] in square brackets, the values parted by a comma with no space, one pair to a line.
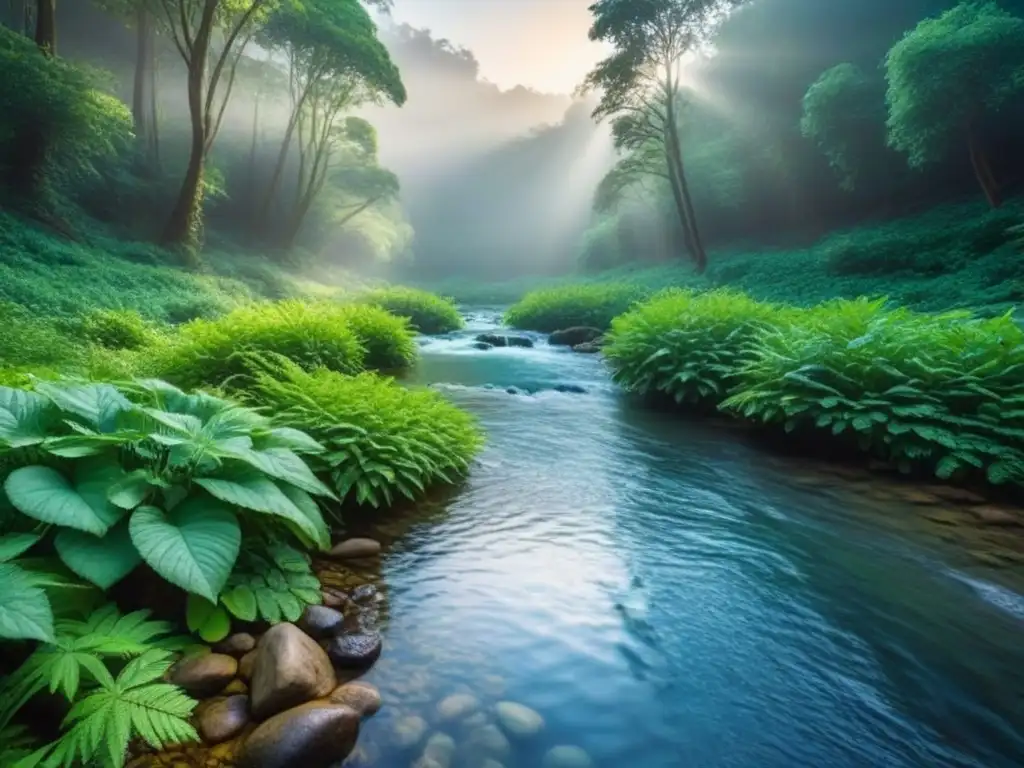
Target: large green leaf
[194,546]
[282,464]
[15,544]
[291,439]
[98,404]
[102,561]
[321,534]
[44,494]
[257,493]
[25,612]
[23,417]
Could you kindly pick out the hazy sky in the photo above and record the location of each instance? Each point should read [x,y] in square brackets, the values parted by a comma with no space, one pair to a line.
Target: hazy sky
[538,43]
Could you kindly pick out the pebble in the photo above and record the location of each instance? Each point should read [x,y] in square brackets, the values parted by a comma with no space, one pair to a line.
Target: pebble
[409,731]
[519,720]
[456,707]
[355,549]
[567,757]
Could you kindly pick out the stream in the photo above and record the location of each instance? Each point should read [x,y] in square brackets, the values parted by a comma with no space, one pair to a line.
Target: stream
[665,594]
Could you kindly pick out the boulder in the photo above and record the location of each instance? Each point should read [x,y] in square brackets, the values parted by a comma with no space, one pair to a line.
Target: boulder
[362,697]
[499,340]
[319,621]
[224,719]
[315,735]
[518,720]
[483,346]
[567,757]
[573,337]
[237,645]
[574,389]
[364,593]
[457,707]
[408,731]
[355,549]
[204,676]
[355,651]
[290,669]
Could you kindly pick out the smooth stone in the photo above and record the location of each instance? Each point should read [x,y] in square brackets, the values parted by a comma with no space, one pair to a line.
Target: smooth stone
[319,621]
[290,669]
[517,719]
[573,337]
[457,706]
[440,748]
[567,757]
[238,644]
[409,731]
[355,549]
[235,687]
[355,651]
[992,515]
[362,697]
[364,593]
[245,665]
[314,735]
[225,719]
[204,676]
[490,740]
[475,720]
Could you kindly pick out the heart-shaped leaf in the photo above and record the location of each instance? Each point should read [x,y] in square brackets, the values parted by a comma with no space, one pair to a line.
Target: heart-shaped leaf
[44,494]
[14,544]
[211,622]
[102,561]
[25,613]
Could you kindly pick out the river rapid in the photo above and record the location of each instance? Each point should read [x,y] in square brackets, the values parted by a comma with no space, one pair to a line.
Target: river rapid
[664,594]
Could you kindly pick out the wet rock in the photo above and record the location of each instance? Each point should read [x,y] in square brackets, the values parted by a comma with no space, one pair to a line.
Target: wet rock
[362,697]
[483,346]
[573,337]
[237,645]
[589,348]
[334,598]
[408,731]
[440,749]
[355,549]
[512,391]
[488,740]
[457,707]
[571,389]
[290,669]
[364,593]
[355,651]
[245,666]
[498,340]
[234,688]
[203,676]
[319,621]
[314,735]
[518,720]
[567,757]
[224,719]
[992,515]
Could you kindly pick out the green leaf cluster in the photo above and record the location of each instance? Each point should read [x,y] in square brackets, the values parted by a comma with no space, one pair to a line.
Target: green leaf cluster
[112,702]
[273,583]
[143,472]
[592,305]
[427,312]
[382,440]
[116,329]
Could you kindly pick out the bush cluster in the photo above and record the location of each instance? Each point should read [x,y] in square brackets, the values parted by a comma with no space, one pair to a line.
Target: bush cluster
[592,305]
[942,393]
[427,313]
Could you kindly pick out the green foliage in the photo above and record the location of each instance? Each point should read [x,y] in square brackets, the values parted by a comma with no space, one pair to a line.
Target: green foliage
[116,329]
[686,346]
[383,440]
[949,73]
[109,708]
[389,341]
[427,312]
[213,352]
[272,582]
[552,309]
[841,110]
[146,473]
[25,612]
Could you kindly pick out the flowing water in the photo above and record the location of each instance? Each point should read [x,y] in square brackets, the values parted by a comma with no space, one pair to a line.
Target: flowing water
[665,594]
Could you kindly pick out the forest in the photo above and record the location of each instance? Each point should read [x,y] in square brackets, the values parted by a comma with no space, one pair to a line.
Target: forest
[238,238]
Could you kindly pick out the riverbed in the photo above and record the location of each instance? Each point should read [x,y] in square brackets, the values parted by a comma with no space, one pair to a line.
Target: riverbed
[665,594]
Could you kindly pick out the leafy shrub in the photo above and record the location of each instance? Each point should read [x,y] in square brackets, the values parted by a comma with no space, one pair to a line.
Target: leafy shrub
[116,328]
[592,305]
[387,338]
[944,392]
[427,312]
[112,703]
[28,341]
[685,345]
[146,473]
[212,352]
[383,440]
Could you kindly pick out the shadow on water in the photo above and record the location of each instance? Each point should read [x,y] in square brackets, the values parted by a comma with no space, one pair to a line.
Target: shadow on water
[665,595]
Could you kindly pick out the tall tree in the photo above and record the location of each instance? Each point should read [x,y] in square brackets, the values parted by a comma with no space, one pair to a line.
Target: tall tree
[46,25]
[335,63]
[210,36]
[642,82]
[948,77]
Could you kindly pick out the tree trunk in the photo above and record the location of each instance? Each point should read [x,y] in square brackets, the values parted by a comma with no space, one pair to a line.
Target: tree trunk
[282,160]
[26,165]
[154,118]
[983,170]
[46,26]
[184,225]
[142,91]
[676,169]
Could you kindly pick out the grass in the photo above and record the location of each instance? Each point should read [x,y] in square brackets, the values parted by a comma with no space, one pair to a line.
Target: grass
[384,441]
[427,313]
[941,393]
[570,306]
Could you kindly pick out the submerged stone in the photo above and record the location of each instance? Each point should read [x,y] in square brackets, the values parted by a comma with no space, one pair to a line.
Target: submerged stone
[567,757]
[574,389]
[408,731]
[456,707]
[518,720]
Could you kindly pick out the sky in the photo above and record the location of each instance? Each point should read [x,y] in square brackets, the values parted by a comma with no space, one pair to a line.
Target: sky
[541,44]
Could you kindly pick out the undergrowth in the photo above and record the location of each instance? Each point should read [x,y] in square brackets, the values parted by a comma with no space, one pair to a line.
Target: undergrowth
[554,309]
[428,313]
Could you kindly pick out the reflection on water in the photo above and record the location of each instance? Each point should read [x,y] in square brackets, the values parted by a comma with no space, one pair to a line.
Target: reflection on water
[664,595]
